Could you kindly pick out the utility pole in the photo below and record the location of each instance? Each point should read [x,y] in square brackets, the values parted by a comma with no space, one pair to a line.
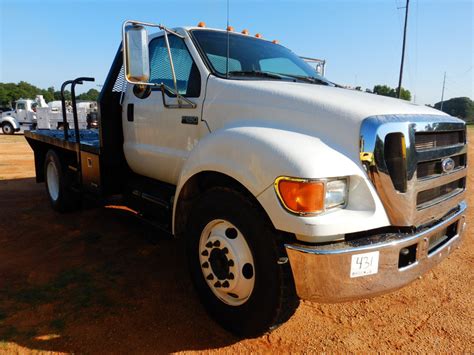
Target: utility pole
[442,92]
[399,89]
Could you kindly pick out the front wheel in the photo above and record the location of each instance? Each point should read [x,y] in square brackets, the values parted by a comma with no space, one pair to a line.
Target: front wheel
[7,128]
[238,264]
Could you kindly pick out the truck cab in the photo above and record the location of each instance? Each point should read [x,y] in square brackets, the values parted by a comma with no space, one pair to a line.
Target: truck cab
[24,115]
[284,185]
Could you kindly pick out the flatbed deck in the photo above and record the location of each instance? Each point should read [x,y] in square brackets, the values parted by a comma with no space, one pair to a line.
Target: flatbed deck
[89,139]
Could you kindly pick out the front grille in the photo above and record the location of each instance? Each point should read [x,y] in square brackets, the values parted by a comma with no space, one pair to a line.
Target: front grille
[436,194]
[406,153]
[429,169]
[431,140]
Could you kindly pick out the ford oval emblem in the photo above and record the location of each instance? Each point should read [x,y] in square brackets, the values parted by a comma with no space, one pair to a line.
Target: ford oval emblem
[447,165]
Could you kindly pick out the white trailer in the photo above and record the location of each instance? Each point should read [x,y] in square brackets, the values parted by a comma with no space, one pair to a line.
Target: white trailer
[51,117]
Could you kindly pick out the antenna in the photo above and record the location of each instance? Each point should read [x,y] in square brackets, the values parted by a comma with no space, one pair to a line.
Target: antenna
[228,49]
[399,89]
[442,92]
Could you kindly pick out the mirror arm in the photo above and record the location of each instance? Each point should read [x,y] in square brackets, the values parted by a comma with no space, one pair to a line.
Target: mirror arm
[173,73]
[189,103]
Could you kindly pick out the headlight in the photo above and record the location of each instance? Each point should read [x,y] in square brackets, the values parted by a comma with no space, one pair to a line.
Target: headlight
[309,197]
[336,193]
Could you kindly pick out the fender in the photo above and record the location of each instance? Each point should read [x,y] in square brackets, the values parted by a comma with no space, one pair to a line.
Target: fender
[12,120]
[256,154]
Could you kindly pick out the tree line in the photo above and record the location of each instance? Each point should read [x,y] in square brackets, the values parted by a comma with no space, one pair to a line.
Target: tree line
[11,92]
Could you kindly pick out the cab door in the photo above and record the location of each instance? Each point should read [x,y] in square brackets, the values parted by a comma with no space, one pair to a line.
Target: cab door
[21,112]
[158,139]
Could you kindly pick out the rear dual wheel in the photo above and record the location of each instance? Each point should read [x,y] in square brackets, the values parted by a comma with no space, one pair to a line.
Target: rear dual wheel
[58,184]
[237,264]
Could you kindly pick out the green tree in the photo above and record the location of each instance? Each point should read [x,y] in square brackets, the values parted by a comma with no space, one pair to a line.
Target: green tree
[57,95]
[11,92]
[462,107]
[385,90]
[91,95]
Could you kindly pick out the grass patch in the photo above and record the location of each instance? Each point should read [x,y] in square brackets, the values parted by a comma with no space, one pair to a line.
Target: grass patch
[91,237]
[57,324]
[9,333]
[75,287]
[31,333]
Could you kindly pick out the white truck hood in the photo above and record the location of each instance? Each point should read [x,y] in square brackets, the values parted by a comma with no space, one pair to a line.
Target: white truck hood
[333,115]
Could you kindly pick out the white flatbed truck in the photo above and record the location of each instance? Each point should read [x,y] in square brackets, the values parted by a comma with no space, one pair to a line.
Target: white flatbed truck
[283,185]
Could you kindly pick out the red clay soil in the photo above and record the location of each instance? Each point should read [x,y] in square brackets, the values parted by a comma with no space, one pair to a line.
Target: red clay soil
[100,281]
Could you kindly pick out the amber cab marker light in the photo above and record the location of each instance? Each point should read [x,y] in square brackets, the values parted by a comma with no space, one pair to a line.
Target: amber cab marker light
[275,41]
[245,32]
[202,24]
[230,28]
[259,35]
[301,196]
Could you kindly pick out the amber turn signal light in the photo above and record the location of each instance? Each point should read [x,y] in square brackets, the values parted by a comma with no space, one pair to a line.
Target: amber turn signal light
[202,24]
[301,196]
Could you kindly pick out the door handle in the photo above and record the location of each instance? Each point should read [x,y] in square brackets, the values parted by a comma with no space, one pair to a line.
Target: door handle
[130,117]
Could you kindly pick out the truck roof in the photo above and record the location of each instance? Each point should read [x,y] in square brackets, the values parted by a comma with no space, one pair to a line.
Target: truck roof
[191,28]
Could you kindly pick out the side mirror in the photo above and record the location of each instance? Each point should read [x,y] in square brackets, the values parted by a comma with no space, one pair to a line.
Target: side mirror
[135,54]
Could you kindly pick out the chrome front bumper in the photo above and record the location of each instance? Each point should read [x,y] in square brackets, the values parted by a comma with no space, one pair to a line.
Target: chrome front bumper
[323,272]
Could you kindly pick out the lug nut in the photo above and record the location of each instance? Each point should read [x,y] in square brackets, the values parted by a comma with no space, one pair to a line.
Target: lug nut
[210,277]
[205,265]
[217,284]
[209,245]
[217,243]
[230,276]
[230,262]
[225,284]
[205,253]
[225,250]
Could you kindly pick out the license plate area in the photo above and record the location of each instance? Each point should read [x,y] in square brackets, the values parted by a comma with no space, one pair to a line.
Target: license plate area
[364,264]
[438,240]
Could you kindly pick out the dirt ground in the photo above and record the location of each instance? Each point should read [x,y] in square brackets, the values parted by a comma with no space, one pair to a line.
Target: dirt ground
[100,281]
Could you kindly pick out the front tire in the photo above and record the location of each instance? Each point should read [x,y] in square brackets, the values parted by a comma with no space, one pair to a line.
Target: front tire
[58,185]
[238,263]
[7,128]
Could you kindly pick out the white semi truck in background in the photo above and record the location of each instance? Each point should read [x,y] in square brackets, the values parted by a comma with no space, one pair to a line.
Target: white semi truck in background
[23,116]
[283,185]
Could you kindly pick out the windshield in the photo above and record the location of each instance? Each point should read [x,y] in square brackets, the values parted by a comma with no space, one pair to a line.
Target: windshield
[250,56]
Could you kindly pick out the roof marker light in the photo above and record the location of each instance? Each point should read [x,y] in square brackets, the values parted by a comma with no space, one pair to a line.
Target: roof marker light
[245,32]
[202,24]
[275,41]
[258,35]
[230,28]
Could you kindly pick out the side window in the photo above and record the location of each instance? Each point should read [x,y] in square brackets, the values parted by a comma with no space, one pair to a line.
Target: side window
[187,74]
[20,106]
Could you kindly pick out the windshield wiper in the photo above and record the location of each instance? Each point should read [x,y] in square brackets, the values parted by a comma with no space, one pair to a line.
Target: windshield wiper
[255,73]
[309,79]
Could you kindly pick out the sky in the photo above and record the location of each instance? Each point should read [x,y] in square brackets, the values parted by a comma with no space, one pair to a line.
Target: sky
[45,42]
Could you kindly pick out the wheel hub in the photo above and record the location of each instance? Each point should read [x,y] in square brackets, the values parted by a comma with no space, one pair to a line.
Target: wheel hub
[226,262]
[52,181]
[219,263]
